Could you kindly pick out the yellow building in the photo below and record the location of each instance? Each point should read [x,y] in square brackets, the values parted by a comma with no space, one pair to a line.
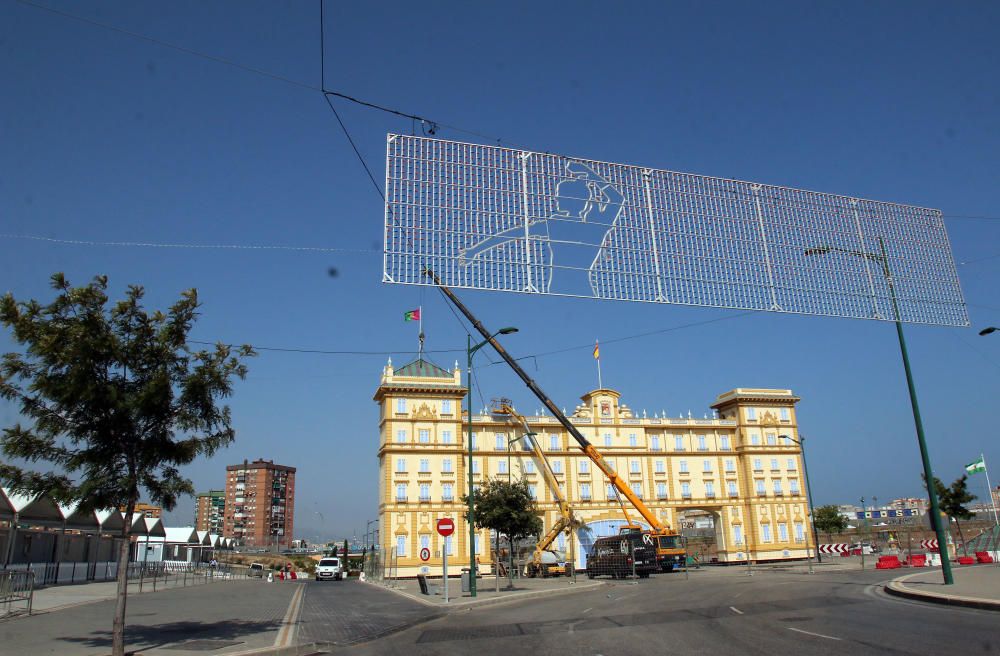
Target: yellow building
[743,467]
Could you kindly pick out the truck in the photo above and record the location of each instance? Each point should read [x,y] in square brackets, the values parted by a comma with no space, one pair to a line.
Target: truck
[670,551]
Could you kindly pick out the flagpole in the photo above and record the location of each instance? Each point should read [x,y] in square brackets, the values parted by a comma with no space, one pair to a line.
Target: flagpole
[420,328]
[599,384]
[989,488]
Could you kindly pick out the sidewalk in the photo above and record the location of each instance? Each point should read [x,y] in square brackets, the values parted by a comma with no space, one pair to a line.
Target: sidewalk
[486,593]
[976,586]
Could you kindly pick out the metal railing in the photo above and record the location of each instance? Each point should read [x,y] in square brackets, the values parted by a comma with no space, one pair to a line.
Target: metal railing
[16,588]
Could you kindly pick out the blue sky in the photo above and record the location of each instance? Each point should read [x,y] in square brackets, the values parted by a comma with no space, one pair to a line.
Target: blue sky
[110,138]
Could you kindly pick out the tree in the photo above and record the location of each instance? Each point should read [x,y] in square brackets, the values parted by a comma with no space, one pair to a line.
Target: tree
[116,402]
[346,551]
[829,520]
[953,502]
[506,507]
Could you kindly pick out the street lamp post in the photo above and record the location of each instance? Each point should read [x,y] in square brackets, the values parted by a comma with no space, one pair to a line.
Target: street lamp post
[809,500]
[470,351]
[882,258]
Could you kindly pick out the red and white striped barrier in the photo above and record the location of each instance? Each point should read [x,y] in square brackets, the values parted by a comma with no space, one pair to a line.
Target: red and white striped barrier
[839,547]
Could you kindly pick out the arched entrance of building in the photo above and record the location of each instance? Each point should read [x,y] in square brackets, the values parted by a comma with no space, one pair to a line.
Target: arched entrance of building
[704,529]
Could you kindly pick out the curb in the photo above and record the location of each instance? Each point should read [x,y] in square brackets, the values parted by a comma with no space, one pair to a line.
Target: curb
[466,605]
[897,589]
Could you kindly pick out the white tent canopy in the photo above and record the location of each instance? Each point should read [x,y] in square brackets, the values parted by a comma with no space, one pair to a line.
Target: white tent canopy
[40,510]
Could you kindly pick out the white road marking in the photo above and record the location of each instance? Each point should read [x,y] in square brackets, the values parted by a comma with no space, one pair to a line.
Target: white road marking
[818,635]
[289,623]
[587,610]
[736,610]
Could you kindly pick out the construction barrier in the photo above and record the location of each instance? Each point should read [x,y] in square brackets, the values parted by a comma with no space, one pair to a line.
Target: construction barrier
[983,557]
[918,560]
[888,562]
[16,587]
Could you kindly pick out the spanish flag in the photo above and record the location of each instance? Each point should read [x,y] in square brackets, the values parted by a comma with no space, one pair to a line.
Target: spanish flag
[597,350]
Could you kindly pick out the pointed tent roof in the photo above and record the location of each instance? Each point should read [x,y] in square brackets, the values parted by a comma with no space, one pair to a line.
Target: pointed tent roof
[421,368]
[41,510]
[181,535]
[148,526]
[78,519]
[110,520]
[203,539]
[6,507]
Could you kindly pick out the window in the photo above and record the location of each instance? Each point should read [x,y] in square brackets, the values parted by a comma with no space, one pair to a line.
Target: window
[752,414]
[401,492]
[607,439]
[585,491]
[446,437]
[791,464]
[730,466]
[678,442]
[757,464]
[724,442]
[400,545]
[529,466]
[449,545]
[660,468]
[632,439]
[684,466]
[800,535]
[782,532]
[400,405]
[401,465]
[533,491]
[760,487]
[793,486]
[476,544]
[655,445]
[634,467]
[755,440]
[661,490]
[561,542]
[701,443]
[706,466]
[446,466]
[732,489]
[774,464]
[425,466]
[557,467]
[771,439]
[777,486]
[554,444]
[709,490]
[474,438]
[765,532]
[425,492]
[784,414]
[475,466]
[446,407]
[447,493]
[584,467]
[784,440]
[637,489]
[425,436]
[401,436]
[612,492]
[738,534]
[686,490]
[502,467]
[501,441]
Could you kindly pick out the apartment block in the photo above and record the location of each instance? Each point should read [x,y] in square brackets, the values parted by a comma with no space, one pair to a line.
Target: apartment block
[260,504]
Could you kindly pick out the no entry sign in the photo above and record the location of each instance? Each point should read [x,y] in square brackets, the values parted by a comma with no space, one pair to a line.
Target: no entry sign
[445,526]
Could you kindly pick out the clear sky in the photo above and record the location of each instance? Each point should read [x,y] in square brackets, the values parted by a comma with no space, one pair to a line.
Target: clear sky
[105,137]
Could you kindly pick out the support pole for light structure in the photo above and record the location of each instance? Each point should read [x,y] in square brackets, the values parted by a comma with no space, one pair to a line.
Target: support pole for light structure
[812,517]
[883,259]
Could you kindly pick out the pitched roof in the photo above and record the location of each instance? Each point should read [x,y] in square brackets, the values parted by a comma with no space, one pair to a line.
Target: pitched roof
[421,368]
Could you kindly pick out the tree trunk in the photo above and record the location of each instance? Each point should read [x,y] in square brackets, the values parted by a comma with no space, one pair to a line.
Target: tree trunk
[118,627]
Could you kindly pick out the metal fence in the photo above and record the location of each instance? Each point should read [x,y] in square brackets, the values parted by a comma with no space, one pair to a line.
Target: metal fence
[16,588]
[152,573]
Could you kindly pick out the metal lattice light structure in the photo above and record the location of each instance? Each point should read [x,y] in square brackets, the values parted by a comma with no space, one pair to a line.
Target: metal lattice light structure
[492,218]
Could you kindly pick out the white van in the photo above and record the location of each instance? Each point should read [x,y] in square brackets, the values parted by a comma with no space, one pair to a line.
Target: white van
[329,569]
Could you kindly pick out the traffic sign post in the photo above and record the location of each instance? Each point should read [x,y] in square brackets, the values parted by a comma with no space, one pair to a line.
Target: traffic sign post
[445,527]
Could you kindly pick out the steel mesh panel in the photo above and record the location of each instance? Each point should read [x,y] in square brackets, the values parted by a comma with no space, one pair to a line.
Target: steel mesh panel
[492,218]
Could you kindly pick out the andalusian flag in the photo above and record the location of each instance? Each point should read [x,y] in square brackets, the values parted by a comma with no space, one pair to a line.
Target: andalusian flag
[597,351]
[412,315]
[977,466]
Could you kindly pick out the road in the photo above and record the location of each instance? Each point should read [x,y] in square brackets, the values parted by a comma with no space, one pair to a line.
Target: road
[717,611]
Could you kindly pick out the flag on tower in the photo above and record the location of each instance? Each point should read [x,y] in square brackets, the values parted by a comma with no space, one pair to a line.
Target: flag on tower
[597,351]
[977,466]
[412,315]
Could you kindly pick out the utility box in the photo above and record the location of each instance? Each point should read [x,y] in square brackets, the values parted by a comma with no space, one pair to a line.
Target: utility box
[466,580]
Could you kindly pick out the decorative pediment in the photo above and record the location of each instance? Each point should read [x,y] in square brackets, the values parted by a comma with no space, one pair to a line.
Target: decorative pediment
[769,419]
[425,412]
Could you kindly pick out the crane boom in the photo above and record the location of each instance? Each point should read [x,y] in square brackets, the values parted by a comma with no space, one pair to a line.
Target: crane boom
[588,448]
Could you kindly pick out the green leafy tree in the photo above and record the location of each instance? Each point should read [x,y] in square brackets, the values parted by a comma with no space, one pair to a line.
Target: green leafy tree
[828,519]
[506,507]
[114,401]
[346,551]
[953,503]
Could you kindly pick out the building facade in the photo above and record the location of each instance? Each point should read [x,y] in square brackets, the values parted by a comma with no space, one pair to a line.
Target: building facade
[146,510]
[260,504]
[743,467]
[210,514]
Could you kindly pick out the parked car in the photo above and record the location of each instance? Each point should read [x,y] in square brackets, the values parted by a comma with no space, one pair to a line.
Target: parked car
[329,569]
[618,556]
[256,570]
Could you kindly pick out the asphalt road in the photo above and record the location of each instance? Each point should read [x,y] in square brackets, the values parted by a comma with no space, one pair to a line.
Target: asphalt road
[716,611]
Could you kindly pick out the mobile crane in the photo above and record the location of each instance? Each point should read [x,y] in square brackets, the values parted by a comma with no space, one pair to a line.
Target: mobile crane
[545,561]
[669,545]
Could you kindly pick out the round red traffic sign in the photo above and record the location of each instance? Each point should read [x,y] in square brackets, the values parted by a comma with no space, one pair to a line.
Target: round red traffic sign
[425,554]
[445,526]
